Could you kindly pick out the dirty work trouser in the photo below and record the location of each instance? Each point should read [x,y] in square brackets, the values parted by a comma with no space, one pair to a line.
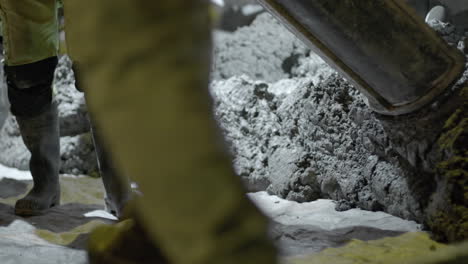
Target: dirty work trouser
[145,66]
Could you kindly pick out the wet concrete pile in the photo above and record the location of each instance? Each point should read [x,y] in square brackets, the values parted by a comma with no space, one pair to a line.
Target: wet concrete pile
[259,50]
[302,132]
[305,132]
[303,141]
[77,153]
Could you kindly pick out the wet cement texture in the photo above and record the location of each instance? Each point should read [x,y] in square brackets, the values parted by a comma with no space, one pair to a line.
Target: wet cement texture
[303,132]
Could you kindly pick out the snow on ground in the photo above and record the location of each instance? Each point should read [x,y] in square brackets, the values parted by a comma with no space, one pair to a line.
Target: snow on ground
[322,214]
[19,244]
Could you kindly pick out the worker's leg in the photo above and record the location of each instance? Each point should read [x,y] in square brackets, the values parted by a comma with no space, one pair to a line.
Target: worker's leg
[30,41]
[118,191]
[144,66]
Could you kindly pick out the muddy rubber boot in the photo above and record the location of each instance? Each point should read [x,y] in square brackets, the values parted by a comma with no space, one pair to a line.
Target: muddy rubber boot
[118,190]
[41,136]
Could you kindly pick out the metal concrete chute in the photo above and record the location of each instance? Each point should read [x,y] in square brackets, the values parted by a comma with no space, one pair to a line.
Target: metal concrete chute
[383,47]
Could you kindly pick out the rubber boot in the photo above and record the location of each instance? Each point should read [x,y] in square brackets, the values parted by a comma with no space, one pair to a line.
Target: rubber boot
[118,190]
[41,136]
